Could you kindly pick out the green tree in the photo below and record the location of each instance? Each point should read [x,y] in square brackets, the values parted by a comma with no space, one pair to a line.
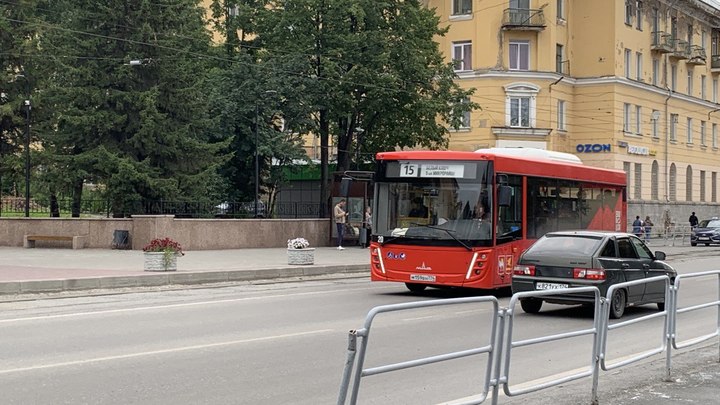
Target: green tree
[128,101]
[366,66]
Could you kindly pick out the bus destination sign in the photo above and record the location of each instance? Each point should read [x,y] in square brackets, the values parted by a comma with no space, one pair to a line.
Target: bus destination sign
[433,170]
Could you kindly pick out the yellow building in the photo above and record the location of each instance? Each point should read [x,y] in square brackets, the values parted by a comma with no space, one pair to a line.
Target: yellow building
[629,85]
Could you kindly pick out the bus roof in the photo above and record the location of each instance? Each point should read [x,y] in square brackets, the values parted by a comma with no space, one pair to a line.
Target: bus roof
[527,161]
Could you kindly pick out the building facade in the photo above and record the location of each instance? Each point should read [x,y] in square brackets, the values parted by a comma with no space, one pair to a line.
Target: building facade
[623,84]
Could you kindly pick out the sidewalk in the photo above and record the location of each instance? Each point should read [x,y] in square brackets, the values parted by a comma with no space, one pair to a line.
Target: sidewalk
[38,270]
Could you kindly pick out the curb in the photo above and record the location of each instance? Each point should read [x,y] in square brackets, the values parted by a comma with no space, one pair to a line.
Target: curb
[176,278]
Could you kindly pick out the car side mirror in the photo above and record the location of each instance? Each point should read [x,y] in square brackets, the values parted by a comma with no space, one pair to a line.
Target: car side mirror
[659,255]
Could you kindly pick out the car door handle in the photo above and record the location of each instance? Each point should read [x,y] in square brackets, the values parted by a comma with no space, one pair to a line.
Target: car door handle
[625,265]
[646,266]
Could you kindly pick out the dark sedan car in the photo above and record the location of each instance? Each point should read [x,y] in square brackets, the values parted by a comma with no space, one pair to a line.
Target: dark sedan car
[707,232]
[591,258]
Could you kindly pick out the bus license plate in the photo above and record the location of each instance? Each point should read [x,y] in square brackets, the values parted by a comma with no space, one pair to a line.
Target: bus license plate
[550,286]
[421,277]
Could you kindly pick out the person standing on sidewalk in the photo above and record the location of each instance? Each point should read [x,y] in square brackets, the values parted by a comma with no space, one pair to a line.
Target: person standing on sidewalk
[637,227]
[648,227]
[340,214]
[693,220]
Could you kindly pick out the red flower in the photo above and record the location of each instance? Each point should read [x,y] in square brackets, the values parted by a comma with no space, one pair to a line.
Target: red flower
[165,245]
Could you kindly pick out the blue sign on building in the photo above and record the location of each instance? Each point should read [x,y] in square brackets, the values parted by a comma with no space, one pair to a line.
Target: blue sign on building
[592,147]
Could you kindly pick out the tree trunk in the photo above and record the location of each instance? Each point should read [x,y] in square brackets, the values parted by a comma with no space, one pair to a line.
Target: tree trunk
[324,145]
[54,206]
[76,198]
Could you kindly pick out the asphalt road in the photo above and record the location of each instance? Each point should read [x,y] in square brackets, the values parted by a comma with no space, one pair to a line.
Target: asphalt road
[286,343]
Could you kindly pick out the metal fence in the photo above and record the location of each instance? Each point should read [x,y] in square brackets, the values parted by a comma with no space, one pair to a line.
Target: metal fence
[499,349]
[14,207]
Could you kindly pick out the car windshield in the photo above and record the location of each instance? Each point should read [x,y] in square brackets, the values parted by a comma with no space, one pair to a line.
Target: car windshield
[575,244]
[446,201]
[710,223]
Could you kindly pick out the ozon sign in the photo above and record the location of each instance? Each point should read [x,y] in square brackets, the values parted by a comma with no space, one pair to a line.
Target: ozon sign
[592,147]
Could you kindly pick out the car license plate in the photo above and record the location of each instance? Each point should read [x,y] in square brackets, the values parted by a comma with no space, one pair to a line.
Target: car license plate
[421,277]
[550,286]
[703,238]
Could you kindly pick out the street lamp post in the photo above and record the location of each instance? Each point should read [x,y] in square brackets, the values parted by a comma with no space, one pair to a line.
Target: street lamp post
[27,158]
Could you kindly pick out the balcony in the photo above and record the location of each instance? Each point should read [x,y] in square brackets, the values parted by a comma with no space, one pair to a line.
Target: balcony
[681,50]
[662,42]
[715,63]
[523,19]
[697,56]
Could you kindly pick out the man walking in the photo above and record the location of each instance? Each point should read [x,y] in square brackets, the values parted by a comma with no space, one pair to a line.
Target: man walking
[637,226]
[339,214]
[693,220]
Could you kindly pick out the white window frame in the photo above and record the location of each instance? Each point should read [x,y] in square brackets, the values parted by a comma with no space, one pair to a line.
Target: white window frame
[518,45]
[561,115]
[638,120]
[627,112]
[673,127]
[715,90]
[703,83]
[673,77]
[702,133]
[689,130]
[561,9]
[629,12]
[465,50]
[714,136]
[656,71]
[465,121]
[638,66]
[690,82]
[520,91]
[655,125]
[628,62]
[638,15]
[462,7]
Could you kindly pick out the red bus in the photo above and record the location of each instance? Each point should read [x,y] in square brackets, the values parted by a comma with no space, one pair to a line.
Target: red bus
[461,219]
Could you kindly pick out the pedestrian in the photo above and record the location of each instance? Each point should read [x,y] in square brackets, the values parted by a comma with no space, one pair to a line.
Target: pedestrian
[637,226]
[693,220]
[340,214]
[367,224]
[648,227]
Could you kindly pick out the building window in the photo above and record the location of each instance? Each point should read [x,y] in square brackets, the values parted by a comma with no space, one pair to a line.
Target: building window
[561,9]
[702,185]
[462,7]
[690,35]
[520,99]
[519,55]
[629,11]
[703,83]
[702,133]
[703,42]
[559,58]
[654,181]
[689,184]
[626,117]
[561,115]
[714,90]
[673,78]
[673,127]
[465,122]
[689,131]
[638,66]
[655,132]
[628,68]
[626,169]
[656,71]
[462,56]
[713,193]
[714,135]
[638,181]
[638,120]
[690,83]
[638,15]
[673,182]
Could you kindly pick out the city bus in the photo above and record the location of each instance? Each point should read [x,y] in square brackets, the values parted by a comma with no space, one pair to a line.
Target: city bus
[461,219]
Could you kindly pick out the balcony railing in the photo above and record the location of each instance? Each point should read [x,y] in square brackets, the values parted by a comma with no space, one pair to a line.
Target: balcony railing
[523,19]
[681,50]
[662,42]
[715,63]
[697,55]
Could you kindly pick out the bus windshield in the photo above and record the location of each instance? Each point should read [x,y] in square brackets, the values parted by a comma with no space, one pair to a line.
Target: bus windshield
[449,202]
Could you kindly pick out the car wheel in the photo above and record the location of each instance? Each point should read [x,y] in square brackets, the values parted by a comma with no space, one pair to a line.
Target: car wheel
[693,244]
[531,305]
[661,306]
[415,287]
[617,304]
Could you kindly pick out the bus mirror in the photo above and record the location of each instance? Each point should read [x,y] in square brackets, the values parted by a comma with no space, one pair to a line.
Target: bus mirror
[504,196]
[345,186]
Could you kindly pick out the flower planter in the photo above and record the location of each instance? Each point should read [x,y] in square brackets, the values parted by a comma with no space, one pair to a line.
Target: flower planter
[160,261]
[301,256]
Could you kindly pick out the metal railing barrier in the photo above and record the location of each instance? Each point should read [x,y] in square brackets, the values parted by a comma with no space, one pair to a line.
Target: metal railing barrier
[357,371]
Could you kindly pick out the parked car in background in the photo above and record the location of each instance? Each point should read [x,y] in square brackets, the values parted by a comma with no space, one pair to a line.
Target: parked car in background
[243,209]
[591,258]
[707,232]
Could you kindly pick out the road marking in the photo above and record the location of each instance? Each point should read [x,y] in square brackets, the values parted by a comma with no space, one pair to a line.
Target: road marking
[165,351]
[182,305]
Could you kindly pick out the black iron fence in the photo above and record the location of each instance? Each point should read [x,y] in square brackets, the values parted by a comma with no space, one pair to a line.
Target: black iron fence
[15,207]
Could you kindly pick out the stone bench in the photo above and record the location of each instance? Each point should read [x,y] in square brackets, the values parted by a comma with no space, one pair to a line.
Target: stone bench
[78,242]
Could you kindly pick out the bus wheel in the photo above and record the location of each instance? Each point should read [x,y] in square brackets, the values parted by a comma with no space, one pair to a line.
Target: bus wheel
[531,305]
[415,287]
